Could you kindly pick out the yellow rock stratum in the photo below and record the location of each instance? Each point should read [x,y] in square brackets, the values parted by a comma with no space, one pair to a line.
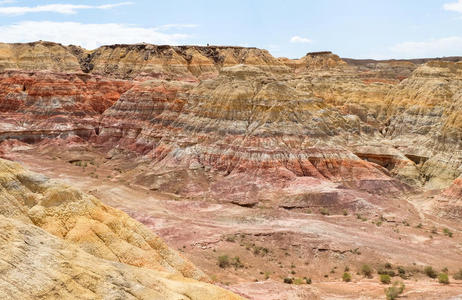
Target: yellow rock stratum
[59,243]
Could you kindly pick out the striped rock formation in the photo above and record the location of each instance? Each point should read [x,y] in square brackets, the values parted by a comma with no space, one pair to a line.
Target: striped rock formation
[57,242]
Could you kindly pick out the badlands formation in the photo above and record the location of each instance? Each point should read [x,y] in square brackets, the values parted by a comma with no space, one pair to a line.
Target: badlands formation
[271,177]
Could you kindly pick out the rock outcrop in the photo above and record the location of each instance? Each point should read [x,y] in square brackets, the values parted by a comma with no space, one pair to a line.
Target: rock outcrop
[57,242]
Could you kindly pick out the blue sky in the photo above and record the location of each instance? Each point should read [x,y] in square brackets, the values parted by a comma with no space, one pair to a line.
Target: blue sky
[350,28]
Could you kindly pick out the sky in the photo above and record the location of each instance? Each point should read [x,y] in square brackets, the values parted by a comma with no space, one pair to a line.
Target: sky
[378,29]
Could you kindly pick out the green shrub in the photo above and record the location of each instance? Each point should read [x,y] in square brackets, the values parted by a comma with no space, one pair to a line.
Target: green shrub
[288,280]
[443,278]
[447,232]
[388,265]
[395,290]
[430,272]
[345,212]
[458,275]
[386,272]
[402,272]
[324,211]
[236,262]
[346,277]
[307,280]
[230,238]
[223,261]
[385,279]
[366,270]
[298,281]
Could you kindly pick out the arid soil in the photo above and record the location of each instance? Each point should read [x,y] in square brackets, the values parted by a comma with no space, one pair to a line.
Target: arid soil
[275,243]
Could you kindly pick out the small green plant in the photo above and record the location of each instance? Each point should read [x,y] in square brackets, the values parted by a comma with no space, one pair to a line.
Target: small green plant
[388,272]
[430,272]
[388,265]
[267,275]
[345,212]
[236,262]
[309,211]
[307,280]
[447,232]
[223,261]
[298,281]
[230,238]
[395,290]
[288,280]
[445,270]
[385,278]
[402,272]
[347,269]
[324,211]
[443,278]
[346,277]
[366,270]
[458,275]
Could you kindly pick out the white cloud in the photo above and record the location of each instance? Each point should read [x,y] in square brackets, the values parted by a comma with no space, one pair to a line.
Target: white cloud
[55,8]
[448,46]
[176,26]
[455,6]
[299,39]
[89,36]
[7,1]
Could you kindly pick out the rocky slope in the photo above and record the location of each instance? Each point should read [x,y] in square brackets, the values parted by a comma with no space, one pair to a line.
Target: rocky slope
[232,125]
[83,248]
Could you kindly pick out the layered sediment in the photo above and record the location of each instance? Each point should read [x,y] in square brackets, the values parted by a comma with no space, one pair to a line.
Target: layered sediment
[83,248]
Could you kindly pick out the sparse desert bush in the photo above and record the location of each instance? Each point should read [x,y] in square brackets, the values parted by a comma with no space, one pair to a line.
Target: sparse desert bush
[230,238]
[443,278]
[402,272]
[388,265]
[366,270]
[288,280]
[385,278]
[345,212]
[388,272]
[223,261]
[346,277]
[395,290]
[307,280]
[236,262]
[324,211]
[458,275]
[447,232]
[430,272]
[298,281]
